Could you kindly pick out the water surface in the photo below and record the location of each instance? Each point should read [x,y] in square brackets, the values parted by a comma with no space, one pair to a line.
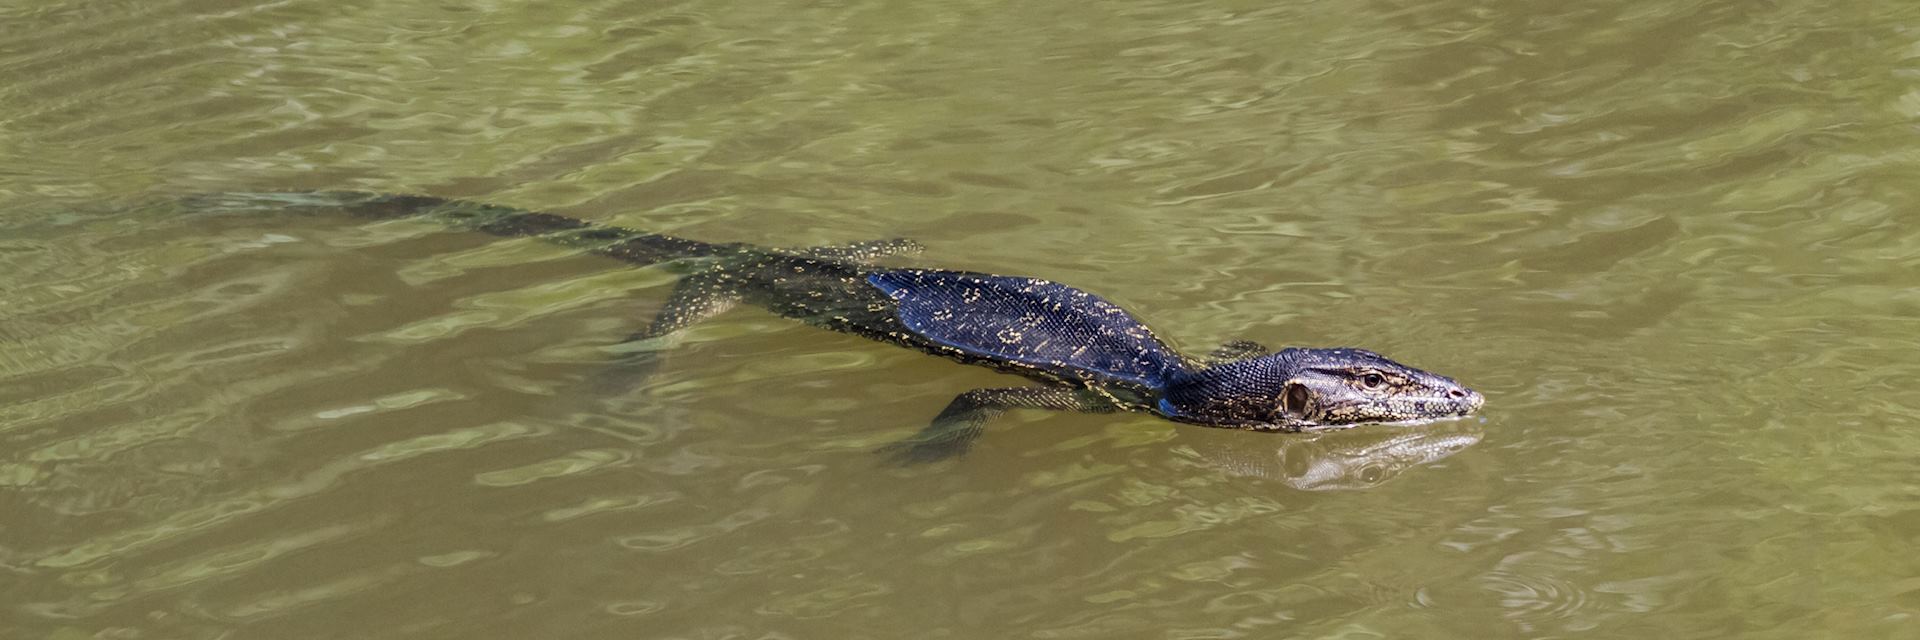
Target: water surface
[1671,242]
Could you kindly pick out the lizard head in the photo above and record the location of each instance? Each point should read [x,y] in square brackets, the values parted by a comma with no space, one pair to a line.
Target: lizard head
[1314,389]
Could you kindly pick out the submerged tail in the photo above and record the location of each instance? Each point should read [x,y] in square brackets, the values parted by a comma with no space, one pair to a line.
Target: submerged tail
[631,245]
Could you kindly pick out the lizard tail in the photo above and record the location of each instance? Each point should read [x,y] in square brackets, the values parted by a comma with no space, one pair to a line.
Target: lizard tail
[631,245]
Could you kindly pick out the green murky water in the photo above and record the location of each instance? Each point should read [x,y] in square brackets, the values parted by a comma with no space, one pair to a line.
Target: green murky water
[1673,242]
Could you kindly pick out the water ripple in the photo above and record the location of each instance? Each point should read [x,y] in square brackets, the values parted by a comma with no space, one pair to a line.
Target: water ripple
[218,513]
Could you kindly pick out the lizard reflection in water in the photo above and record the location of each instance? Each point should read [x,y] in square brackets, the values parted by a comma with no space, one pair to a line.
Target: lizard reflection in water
[1336,461]
[1087,354]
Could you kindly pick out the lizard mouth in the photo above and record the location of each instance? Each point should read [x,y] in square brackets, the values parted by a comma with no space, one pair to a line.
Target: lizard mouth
[1406,422]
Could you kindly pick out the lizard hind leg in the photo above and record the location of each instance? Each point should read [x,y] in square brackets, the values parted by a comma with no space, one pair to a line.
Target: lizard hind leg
[864,252]
[694,299]
[953,431]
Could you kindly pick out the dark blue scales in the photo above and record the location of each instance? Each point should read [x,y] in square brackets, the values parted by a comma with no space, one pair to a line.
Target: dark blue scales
[1083,353]
[1029,322]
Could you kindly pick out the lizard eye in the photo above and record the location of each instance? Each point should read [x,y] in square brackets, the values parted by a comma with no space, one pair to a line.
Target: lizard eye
[1373,381]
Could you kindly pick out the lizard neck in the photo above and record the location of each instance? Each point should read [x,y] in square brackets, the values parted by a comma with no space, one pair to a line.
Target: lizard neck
[1231,393]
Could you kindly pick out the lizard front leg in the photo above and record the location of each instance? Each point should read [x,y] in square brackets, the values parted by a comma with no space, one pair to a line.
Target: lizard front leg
[1235,350]
[955,429]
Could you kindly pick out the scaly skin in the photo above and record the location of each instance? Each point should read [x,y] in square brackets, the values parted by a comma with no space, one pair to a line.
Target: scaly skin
[1086,354]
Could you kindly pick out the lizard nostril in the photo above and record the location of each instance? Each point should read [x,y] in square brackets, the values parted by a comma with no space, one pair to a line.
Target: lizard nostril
[1456,394]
